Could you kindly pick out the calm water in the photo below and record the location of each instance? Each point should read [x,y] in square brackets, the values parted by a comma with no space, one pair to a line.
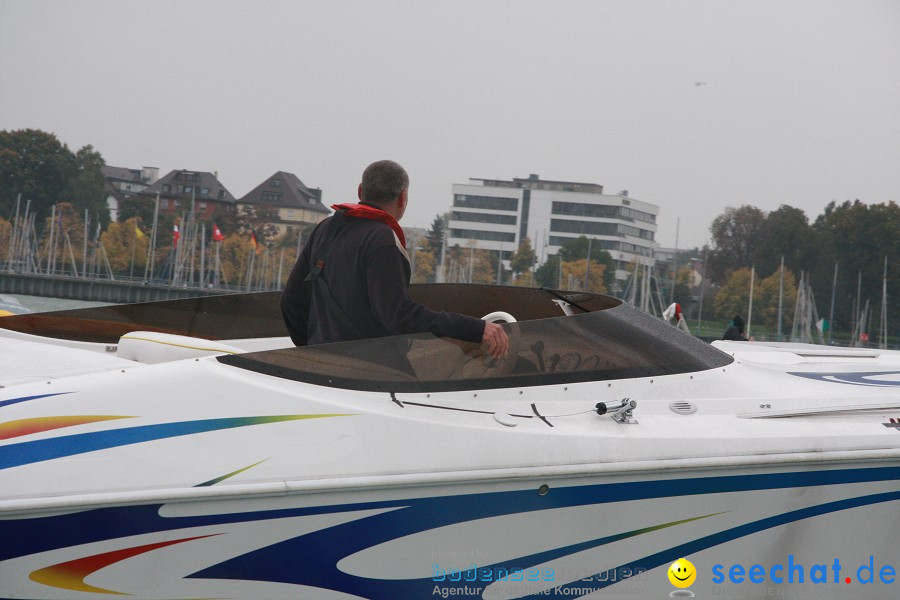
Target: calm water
[41,304]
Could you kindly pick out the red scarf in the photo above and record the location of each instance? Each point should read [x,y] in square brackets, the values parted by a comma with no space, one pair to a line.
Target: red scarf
[367,211]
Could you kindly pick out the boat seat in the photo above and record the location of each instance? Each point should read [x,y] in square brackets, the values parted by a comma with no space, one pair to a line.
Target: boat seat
[152,347]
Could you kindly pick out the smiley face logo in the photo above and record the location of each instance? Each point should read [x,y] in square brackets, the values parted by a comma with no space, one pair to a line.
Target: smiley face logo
[682,573]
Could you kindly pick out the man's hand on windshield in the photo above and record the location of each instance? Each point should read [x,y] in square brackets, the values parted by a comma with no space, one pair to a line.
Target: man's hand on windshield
[496,339]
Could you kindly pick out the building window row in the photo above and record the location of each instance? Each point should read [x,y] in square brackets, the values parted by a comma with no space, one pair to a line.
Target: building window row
[594,228]
[559,240]
[183,189]
[610,245]
[486,202]
[635,232]
[602,211]
[271,196]
[585,227]
[473,234]
[636,215]
[483,218]
[579,209]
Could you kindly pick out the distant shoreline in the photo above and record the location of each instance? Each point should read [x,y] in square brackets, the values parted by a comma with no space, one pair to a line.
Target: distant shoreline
[41,304]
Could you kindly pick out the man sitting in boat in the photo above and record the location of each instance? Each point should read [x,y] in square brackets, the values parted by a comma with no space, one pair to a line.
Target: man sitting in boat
[352,279]
[735,330]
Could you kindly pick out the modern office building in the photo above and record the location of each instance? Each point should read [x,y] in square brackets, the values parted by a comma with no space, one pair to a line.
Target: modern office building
[497,215]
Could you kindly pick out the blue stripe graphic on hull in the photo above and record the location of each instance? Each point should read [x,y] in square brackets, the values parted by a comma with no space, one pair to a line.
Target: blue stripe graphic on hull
[312,559]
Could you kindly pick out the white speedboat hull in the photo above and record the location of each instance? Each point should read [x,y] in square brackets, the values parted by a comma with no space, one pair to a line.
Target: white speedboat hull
[775,472]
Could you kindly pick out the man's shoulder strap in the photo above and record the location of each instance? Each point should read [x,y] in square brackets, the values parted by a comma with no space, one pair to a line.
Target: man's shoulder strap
[337,221]
[316,278]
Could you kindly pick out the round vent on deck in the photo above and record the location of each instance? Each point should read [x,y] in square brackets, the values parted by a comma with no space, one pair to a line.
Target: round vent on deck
[682,407]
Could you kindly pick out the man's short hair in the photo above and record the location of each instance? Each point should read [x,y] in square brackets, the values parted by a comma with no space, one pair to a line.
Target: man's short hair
[382,182]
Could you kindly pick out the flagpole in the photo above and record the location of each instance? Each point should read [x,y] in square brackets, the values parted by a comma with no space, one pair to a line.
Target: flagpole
[13,235]
[133,248]
[750,308]
[50,241]
[87,218]
[780,297]
[148,268]
[831,312]
[218,265]
[250,274]
[203,255]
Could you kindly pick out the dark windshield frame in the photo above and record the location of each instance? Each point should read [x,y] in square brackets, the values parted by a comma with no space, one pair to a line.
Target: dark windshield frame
[618,342]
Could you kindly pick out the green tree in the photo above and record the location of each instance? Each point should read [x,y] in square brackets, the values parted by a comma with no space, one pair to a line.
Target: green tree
[684,293]
[228,221]
[786,233]
[435,235]
[736,235]
[141,207]
[857,237]
[547,275]
[87,185]
[38,166]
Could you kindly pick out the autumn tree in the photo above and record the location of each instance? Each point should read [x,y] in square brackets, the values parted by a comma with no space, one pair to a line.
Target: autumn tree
[523,258]
[422,265]
[234,255]
[765,299]
[126,247]
[67,242]
[483,269]
[5,233]
[261,220]
[470,265]
[733,297]
[574,250]
[576,271]
[228,221]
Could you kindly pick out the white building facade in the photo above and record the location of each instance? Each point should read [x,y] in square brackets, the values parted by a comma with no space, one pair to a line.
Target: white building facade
[497,215]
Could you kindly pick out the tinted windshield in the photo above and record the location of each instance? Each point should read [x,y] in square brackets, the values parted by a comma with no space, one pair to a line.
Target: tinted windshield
[616,343]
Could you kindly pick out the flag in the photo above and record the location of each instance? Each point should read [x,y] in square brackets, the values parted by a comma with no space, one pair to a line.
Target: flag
[175,235]
[255,242]
[218,236]
[138,233]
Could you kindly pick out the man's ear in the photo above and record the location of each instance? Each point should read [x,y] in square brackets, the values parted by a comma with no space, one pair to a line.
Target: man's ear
[359,192]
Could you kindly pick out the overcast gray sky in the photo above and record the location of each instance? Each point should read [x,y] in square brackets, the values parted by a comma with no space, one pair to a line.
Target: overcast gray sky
[691,105]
